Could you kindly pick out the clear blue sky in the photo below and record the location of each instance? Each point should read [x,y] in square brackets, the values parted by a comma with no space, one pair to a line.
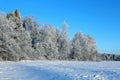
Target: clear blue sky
[98,18]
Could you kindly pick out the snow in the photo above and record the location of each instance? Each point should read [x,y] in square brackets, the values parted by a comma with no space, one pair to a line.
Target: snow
[60,70]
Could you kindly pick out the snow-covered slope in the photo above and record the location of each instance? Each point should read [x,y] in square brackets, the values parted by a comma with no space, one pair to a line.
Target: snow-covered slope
[59,70]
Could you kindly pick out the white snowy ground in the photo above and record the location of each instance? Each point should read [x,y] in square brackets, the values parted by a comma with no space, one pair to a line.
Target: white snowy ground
[59,70]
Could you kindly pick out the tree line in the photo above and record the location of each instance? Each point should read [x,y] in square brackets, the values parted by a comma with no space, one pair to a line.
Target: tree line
[26,39]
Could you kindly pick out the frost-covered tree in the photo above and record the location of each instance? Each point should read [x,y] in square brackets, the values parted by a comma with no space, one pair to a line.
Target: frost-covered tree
[9,49]
[83,47]
[76,47]
[48,42]
[63,42]
[32,27]
[92,51]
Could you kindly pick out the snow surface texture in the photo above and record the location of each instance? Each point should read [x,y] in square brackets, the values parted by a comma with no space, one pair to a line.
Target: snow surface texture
[59,70]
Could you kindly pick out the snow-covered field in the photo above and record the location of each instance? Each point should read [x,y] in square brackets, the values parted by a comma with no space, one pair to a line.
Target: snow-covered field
[59,70]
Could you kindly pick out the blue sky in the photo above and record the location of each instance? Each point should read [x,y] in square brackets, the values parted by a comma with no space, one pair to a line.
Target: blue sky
[98,18]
